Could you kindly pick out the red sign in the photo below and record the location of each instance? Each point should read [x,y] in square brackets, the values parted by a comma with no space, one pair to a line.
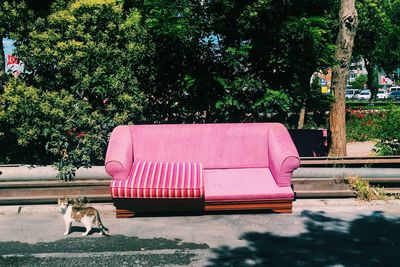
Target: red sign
[11,60]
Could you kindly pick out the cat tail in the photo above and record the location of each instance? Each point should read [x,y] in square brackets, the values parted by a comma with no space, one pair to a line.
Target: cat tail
[102,228]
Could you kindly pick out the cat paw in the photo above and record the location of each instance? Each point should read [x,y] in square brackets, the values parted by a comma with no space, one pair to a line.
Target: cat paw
[101,233]
[84,234]
[66,233]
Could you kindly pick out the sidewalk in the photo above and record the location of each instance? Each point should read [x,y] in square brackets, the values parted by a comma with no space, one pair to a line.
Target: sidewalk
[342,232]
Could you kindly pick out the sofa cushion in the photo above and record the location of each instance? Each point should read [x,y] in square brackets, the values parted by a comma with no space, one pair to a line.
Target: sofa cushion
[243,184]
[161,180]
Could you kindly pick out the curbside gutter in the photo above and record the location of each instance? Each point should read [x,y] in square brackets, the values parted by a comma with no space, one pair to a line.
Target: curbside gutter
[331,172]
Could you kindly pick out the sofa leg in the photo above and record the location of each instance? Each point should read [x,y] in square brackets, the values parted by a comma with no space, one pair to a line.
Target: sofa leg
[121,213]
[287,210]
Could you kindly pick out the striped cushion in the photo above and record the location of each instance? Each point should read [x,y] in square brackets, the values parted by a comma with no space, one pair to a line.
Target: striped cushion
[161,180]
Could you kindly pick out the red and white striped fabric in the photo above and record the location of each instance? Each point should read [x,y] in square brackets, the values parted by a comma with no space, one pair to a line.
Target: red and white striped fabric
[161,180]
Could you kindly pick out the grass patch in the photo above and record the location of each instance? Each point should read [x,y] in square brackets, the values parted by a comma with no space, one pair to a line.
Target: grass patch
[364,191]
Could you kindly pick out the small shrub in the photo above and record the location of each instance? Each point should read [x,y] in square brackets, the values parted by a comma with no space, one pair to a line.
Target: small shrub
[74,133]
[388,147]
[389,133]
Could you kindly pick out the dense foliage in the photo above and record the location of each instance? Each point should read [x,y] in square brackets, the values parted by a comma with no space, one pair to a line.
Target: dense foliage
[359,82]
[95,64]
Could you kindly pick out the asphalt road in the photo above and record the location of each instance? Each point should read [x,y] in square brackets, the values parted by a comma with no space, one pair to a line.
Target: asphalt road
[317,233]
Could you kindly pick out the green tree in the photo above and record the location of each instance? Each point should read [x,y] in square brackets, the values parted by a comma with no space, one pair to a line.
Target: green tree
[213,60]
[184,80]
[281,45]
[377,39]
[359,82]
[83,62]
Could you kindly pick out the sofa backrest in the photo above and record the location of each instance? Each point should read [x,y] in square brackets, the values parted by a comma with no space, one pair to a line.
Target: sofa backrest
[228,145]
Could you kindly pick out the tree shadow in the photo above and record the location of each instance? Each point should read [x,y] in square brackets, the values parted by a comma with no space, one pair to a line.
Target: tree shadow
[366,241]
[117,250]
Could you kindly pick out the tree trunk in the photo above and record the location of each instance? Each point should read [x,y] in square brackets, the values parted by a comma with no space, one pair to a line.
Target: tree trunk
[300,123]
[344,46]
[370,81]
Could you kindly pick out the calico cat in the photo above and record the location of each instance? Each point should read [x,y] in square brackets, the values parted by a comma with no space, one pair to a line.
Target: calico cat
[88,216]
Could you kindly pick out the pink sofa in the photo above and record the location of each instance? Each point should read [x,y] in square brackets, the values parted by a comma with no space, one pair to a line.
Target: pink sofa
[194,167]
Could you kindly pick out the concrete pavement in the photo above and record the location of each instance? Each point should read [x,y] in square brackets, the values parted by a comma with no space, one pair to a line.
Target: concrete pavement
[342,232]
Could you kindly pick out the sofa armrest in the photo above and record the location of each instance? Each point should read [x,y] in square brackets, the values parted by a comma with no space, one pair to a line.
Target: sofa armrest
[282,155]
[119,156]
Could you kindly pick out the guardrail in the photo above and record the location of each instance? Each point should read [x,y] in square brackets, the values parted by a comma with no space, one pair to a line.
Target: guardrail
[372,161]
[321,177]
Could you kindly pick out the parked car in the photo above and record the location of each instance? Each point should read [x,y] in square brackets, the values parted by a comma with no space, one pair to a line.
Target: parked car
[381,94]
[395,95]
[364,95]
[394,89]
[352,93]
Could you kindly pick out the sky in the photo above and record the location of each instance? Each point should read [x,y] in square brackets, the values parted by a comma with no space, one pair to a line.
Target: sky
[8,45]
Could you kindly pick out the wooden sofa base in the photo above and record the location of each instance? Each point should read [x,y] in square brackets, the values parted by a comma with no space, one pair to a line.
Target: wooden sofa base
[127,208]
[277,206]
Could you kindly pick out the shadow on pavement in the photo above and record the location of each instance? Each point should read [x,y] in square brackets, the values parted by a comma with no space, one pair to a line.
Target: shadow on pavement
[116,250]
[372,240]
[96,244]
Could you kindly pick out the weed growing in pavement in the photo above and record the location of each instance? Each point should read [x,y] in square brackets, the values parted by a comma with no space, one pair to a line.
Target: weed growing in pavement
[80,202]
[365,191]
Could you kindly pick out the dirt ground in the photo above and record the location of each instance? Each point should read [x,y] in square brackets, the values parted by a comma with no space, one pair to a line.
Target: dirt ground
[360,149]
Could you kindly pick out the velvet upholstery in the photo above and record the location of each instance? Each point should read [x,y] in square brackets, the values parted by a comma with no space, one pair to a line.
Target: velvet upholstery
[283,156]
[241,161]
[119,156]
[243,184]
